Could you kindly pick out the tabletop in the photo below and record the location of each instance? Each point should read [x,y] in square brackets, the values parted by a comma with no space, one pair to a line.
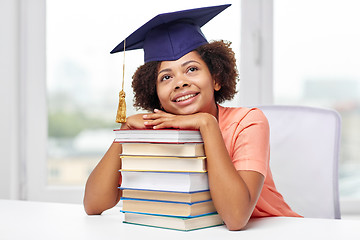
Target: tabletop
[42,220]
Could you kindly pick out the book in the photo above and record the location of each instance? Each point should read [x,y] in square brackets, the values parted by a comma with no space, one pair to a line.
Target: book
[157,136]
[165,181]
[167,149]
[175,223]
[163,164]
[167,196]
[168,208]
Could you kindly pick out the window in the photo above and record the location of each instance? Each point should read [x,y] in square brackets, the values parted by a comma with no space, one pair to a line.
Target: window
[316,51]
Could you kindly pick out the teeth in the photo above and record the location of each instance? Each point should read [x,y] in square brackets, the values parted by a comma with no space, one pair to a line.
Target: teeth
[183,98]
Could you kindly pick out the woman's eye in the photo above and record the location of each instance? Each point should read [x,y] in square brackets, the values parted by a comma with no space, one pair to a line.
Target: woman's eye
[192,69]
[166,77]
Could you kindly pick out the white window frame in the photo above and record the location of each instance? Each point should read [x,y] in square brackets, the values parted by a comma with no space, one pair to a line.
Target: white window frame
[33,107]
[9,84]
[256,68]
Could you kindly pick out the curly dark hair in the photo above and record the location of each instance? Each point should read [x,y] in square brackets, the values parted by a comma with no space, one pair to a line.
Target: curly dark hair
[220,60]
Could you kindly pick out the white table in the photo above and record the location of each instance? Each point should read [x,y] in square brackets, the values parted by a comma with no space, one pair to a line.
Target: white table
[37,220]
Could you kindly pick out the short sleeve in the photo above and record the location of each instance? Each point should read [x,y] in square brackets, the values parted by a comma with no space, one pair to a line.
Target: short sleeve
[247,140]
[250,148]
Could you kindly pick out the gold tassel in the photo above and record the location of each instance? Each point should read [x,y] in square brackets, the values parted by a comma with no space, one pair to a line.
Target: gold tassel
[121,112]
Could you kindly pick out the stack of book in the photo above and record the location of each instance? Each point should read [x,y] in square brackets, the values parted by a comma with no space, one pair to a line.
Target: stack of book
[164,179]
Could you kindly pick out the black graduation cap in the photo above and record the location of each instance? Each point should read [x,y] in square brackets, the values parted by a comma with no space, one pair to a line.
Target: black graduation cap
[169,36]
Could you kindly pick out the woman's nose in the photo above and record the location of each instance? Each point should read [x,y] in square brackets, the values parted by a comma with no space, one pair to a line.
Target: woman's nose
[178,86]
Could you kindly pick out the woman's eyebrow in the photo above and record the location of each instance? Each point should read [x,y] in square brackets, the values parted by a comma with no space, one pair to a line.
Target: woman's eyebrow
[164,70]
[188,62]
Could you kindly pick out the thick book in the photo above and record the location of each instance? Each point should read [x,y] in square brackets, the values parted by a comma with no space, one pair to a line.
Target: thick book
[162,163]
[167,196]
[157,136]
[167,208]
[167,149]
[175,223]
[165,181]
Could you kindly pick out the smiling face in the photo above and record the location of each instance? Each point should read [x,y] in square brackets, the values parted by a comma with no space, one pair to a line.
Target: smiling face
[185,86]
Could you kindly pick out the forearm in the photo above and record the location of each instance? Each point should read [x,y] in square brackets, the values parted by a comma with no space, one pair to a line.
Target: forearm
[101,190]
[230,193]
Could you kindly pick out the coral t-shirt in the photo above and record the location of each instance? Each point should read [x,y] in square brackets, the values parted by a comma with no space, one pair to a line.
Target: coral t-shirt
[246,135]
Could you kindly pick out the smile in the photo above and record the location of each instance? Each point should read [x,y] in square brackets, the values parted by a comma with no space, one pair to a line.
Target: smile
[186,97]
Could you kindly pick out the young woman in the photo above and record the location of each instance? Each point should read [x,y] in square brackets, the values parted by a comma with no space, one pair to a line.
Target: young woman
[185,93]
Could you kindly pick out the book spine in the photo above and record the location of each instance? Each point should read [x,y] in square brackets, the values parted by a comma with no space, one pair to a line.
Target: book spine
[162,201]
[189,192]
[168,215]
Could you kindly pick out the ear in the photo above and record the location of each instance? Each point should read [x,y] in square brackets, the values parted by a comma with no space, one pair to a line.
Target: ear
[217,86]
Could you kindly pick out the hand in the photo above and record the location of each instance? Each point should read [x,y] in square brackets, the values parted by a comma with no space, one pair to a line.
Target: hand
[134,122]
[160,119]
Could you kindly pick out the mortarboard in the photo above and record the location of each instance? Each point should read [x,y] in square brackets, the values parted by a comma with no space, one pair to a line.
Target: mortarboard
[168,37]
